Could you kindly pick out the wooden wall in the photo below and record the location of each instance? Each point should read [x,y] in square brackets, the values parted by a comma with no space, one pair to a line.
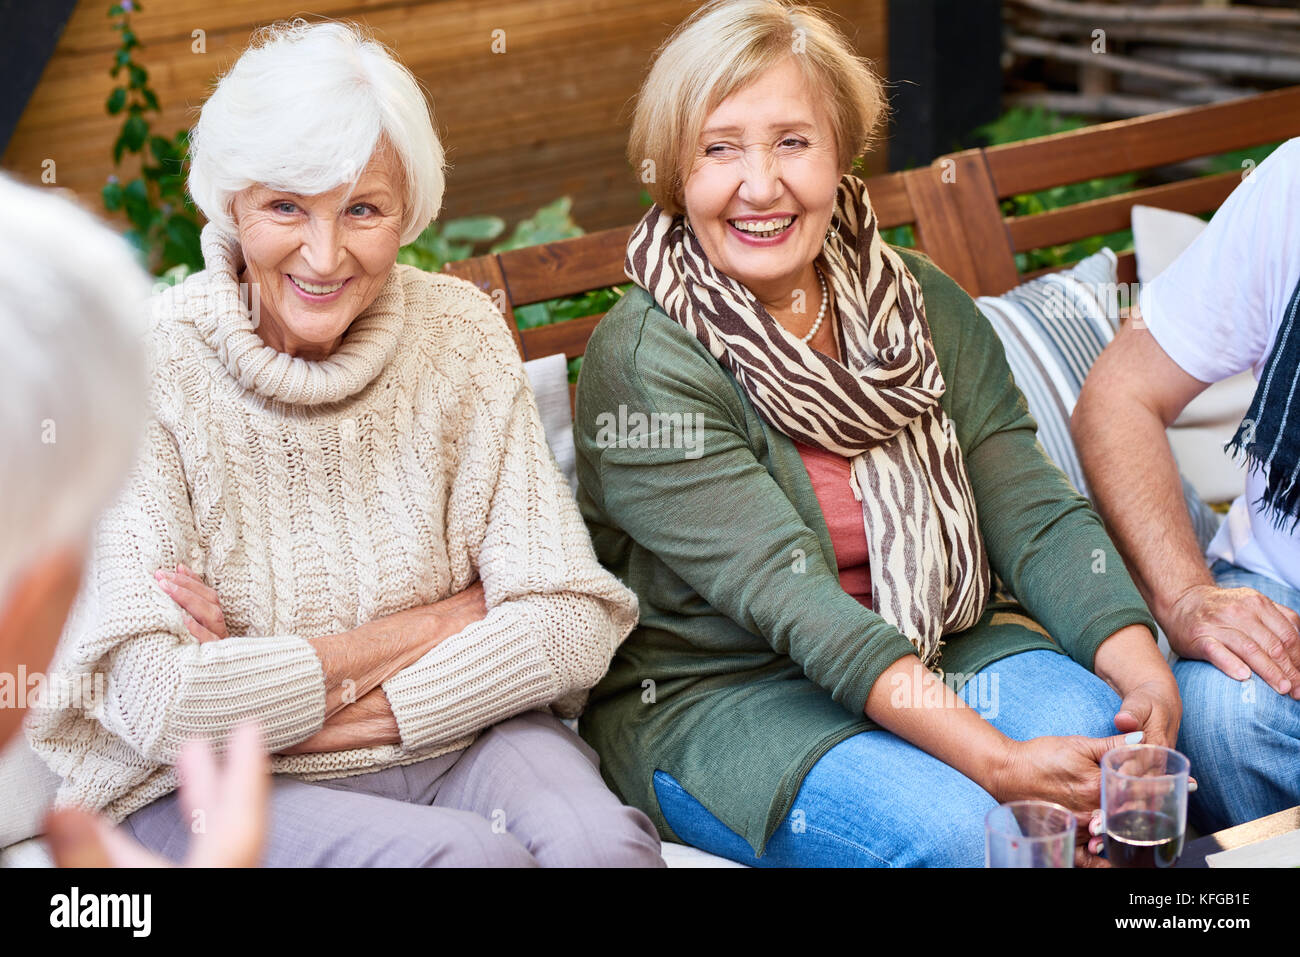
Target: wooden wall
[546,118]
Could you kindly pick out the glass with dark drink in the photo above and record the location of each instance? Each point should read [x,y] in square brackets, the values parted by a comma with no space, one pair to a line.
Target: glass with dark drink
[1144,805]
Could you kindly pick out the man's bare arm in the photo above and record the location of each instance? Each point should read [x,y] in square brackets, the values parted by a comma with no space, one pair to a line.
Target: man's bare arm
[1133,393]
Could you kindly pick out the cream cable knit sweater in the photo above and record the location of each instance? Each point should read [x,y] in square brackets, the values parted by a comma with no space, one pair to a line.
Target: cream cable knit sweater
[316,496]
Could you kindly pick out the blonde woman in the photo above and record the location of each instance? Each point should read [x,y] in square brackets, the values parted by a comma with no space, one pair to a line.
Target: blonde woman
[863,475]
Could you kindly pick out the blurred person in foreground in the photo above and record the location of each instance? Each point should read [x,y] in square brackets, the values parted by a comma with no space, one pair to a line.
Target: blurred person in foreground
[72,406]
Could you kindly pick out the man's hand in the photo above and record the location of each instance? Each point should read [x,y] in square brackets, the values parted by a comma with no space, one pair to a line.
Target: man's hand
[1238,630]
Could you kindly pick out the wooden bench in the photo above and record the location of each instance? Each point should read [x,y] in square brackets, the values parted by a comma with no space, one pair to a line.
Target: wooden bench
[954,206]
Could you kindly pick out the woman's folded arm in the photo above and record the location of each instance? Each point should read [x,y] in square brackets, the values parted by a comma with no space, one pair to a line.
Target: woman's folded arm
[554,616]
[161,686]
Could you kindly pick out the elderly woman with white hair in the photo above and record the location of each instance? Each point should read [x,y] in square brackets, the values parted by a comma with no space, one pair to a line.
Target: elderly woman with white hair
[346,523]
[864,476]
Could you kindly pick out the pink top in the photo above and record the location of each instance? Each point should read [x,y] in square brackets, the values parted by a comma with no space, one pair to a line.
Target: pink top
[843,513]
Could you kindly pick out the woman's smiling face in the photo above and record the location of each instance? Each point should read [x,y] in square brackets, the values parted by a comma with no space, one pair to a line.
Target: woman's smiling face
[761,184]
[320,260]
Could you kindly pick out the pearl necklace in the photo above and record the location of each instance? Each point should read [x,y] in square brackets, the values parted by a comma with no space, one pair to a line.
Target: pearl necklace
[821,313]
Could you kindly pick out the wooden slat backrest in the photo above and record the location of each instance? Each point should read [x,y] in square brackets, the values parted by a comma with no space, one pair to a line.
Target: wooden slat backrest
[1110,149]
[566,268]
[1113,213]
[954,204]
[1143,142]
[959,223]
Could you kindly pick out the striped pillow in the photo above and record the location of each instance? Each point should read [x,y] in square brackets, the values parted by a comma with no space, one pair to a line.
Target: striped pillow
[1053,328]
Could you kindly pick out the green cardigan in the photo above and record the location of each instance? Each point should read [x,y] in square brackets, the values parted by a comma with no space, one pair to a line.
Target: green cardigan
[750,661]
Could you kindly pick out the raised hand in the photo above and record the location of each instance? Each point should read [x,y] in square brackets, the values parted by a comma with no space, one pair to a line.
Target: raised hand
[226,809]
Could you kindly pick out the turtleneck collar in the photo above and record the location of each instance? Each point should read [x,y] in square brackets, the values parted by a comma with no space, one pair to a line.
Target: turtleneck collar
[222,318]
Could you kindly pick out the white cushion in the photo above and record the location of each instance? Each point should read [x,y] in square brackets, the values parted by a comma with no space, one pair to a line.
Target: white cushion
[31,853]
[1159,237]
[1198,435]
[549,377]
[27,787]
[682,855]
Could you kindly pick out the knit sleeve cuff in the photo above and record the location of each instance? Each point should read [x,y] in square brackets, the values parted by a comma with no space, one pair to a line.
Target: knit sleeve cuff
[881,654]
[276,681]
[492,670]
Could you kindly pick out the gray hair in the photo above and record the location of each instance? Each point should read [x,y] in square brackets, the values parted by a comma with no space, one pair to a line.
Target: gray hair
[303,110]
[73,303]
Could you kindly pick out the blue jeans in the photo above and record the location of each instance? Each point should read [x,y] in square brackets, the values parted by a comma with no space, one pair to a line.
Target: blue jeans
[1242,737]
[874,800]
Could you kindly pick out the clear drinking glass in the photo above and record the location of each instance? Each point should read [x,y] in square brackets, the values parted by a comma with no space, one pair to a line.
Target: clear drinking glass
[1144,805]
[1029,834]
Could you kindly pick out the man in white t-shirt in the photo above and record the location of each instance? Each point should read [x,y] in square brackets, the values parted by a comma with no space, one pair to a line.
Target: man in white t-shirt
[1231,302]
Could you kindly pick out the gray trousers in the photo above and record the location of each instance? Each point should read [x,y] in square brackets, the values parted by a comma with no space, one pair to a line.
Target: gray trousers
[526,793]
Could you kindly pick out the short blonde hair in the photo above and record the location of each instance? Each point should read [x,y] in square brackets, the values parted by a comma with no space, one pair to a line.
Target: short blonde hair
[303,110]
[723,47]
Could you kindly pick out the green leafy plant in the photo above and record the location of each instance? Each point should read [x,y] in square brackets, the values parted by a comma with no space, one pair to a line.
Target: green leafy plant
[456,239]
[1021,123]
[552,222]
[903,235]
[164,222]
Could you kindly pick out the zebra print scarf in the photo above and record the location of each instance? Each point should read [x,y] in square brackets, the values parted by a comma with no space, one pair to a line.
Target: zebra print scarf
[880,407]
